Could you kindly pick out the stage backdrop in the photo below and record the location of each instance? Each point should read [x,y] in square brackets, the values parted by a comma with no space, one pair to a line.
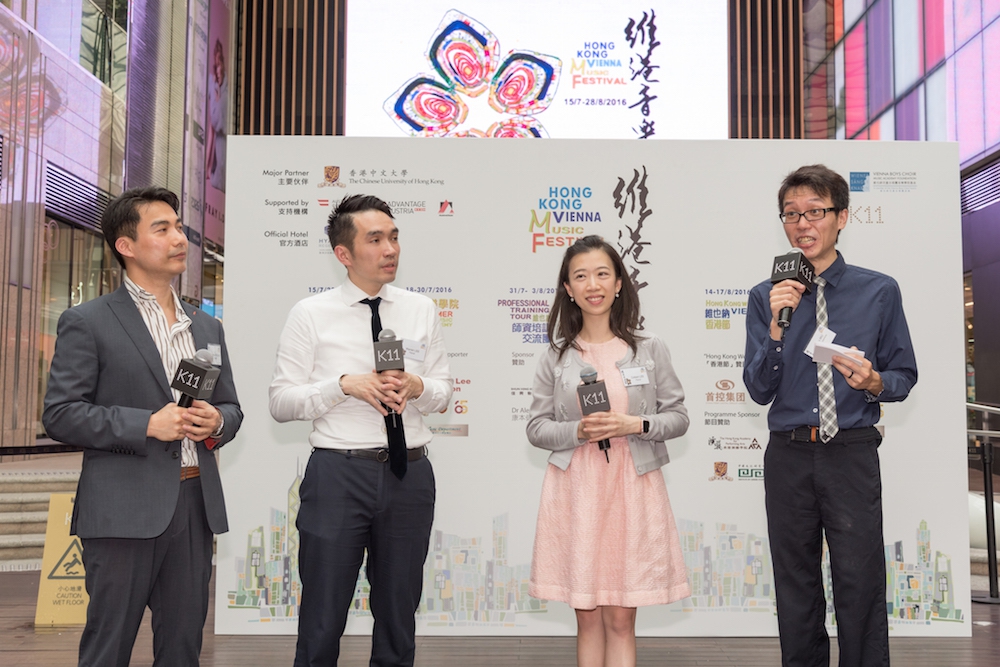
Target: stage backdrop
[483,226]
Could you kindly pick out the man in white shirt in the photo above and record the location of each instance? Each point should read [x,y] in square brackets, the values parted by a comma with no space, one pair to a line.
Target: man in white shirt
[368,484]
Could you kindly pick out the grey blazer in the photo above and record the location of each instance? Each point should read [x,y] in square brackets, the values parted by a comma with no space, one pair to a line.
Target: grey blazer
[555,409]
[105,381]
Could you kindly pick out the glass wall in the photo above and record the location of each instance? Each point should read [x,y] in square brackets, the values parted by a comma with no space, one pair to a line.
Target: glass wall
[104,42]
[77,267]
[212,279]
[906,70]
[970,342]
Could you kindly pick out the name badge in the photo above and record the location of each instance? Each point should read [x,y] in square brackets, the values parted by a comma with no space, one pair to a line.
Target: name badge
[215,350]
[414,349]
[633,377]
[821,335]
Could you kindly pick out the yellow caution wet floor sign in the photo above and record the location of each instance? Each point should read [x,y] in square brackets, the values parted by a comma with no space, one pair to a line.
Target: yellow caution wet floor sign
[62,595]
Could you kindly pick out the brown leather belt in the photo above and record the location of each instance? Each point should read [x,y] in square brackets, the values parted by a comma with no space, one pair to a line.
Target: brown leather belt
[190,472]
[380,454]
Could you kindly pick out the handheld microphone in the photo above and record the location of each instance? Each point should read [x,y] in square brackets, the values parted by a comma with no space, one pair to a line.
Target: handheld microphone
[195,378]
[593,395]
[388,352]
[793,266]
[388,357]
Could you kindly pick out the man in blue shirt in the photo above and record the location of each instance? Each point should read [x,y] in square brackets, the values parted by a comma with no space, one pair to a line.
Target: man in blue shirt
[821,468]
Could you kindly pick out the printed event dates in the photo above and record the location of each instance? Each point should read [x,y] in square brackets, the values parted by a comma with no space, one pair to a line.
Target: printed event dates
[728,292]
[595,101]
[532,290]
[429,290]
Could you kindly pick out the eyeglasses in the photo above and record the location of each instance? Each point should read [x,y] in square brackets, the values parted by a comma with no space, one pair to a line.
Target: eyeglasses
[812,215]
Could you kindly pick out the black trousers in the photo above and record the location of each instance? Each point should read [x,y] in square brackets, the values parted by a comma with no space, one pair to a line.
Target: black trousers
[836,489]
[169,573]
[348,505]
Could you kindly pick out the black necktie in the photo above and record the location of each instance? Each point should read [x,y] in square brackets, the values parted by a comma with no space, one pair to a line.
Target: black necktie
[393,422]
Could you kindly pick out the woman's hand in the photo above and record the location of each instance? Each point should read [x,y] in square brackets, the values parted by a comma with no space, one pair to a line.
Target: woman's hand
[607,425]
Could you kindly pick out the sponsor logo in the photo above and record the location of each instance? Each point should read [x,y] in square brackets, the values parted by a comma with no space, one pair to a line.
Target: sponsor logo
[331,178]
[446,208]
[721,472]
[323,202]
[861,181]
[407,206]
[750,472]
[725,392]
[883,181]
[720,442]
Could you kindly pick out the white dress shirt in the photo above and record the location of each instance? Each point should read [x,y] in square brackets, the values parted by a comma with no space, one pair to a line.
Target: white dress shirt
[173,342]
[329,335]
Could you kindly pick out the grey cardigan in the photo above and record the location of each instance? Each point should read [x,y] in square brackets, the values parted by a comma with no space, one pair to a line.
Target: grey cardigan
[555,410]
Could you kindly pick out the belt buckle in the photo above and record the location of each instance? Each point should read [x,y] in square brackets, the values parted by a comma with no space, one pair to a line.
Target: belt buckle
[382,455]
[813,431]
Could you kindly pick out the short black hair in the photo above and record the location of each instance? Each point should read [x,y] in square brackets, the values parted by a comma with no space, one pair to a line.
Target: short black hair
[121,217]
[820,179]
[340,225]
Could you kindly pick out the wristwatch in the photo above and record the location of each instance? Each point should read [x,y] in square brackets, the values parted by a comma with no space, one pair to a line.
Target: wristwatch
[645,426]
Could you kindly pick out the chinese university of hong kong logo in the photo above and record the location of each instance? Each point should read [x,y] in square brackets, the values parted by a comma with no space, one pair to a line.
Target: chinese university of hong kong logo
[331,178]
[466,59]
[721,470]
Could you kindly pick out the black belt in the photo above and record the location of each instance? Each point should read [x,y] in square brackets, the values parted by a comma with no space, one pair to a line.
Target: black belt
[845,435]
[380,454]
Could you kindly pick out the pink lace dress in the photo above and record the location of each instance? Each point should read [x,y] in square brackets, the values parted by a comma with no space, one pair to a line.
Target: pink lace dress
[606,536]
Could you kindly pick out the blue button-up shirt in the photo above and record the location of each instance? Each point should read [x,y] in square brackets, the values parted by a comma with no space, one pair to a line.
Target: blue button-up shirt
[865,310]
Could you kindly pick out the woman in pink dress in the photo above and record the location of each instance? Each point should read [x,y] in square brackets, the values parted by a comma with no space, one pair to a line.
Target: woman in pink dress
[606,541]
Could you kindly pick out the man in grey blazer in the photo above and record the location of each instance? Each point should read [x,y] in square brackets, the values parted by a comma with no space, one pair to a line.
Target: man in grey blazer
[149,497]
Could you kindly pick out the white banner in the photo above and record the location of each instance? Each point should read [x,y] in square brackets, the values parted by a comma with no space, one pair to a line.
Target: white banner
[483,226]
[573,69]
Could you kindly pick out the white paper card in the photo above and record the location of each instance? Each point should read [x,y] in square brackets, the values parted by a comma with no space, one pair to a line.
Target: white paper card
[215,349]
[635,376]
[824,353]
[414,349]
[821,335]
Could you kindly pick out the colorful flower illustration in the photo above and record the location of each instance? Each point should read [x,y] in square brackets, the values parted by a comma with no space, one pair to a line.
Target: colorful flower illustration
[465,57]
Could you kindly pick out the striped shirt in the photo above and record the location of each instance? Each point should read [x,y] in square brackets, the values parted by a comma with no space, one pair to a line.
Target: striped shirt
[173,342]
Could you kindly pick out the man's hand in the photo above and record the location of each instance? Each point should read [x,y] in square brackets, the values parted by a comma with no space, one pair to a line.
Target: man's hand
[859,373]
[406,385]
[785,294]
[201,420]
[167,423]
[371,388]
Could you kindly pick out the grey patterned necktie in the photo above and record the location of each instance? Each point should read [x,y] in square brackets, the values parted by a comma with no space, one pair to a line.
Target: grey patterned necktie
[824,374]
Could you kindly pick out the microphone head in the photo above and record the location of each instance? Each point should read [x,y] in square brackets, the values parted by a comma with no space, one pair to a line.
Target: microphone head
[386,336]
[588,374]
[203,355]
[793,265]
